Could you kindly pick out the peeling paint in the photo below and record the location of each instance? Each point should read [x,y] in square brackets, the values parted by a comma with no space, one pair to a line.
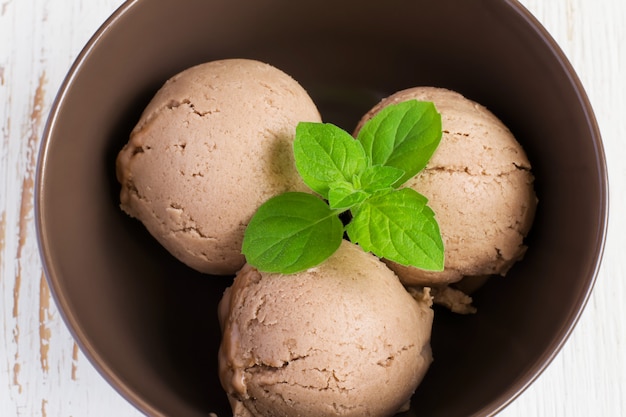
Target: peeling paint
[5,6]
[6,129]
[44,413]
[44,317]
[26,203]
[17,285]
[74,361]
[26,208]
[16,365]
[16,377]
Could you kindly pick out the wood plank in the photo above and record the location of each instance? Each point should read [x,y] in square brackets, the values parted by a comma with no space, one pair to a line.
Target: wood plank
[42,371]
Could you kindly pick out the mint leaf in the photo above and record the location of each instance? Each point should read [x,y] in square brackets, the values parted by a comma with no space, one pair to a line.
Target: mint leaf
[325,154]
[403,135]
[296,231]
[291,232]
[399,226]
[344,195]
[379,177]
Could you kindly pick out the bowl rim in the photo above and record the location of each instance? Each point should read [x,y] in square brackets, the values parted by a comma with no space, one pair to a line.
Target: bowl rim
[559,339]
[495,405]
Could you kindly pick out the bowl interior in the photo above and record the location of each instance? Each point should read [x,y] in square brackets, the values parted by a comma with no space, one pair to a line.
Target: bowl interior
[149,324]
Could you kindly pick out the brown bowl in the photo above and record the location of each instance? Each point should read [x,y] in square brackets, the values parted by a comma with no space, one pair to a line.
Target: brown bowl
[148,323]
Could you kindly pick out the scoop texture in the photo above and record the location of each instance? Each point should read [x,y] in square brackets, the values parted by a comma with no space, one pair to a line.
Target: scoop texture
[478,183]
[213,144]
[341,339]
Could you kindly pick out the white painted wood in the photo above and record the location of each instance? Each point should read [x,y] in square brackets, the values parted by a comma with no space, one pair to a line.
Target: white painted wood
[42,372]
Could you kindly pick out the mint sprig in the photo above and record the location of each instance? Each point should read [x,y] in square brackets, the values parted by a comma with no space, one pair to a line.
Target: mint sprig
[296,231]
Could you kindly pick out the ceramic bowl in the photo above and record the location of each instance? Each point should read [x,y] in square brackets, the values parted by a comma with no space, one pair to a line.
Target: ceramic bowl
[149,324]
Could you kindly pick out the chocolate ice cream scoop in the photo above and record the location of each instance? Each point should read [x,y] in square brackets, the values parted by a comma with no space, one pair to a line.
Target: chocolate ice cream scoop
[214,143]
[480,186]
[341,339]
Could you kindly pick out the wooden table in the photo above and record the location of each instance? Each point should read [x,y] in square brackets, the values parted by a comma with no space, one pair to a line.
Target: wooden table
[42,371]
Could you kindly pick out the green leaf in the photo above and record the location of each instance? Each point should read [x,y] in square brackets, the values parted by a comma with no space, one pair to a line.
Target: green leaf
[291,232]
[399,226]
[379,177]
[325,154]
[344,195]
[296,231]
[403,135]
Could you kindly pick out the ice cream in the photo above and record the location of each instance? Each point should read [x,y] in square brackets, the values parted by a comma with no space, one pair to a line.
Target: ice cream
[341,339]
[213,144]
[478,183]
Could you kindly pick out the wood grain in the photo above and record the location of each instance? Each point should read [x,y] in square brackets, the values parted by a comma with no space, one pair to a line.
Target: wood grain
[42,371]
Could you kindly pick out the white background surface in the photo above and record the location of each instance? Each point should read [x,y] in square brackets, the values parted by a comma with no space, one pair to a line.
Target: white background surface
[42,372]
